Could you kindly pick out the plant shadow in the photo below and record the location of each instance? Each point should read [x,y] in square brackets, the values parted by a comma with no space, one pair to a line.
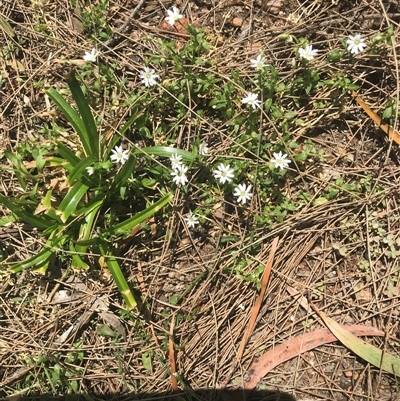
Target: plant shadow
[188,395]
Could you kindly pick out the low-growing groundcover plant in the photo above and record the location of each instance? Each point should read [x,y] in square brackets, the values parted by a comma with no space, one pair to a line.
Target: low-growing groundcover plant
[107,185]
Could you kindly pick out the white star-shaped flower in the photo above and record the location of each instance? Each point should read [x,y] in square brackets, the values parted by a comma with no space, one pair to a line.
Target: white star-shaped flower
[258,63]
[148,77]
[355,44]
[119,155]
[203,149]
[243,193]
[252,100]
[191,220]
[280,160]
[179,175]
[173,16]
[91,56]
[308,53]
[176,161]
[90,170]
[223,173]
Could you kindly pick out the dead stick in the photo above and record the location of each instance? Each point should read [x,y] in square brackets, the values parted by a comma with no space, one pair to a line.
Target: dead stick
[259,300]
[255,311]
[172,362]
[393,134]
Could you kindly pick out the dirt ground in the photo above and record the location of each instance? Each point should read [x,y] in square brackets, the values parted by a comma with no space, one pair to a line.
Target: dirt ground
[336,254]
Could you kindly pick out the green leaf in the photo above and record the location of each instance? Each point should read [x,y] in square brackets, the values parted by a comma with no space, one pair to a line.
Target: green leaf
[124,174]
[174,299]
[40,222]
[90,135]
[388,112]
[55,374]
[320,201]
[335,56]
[106,331]
[80,169]
[42,259]
[118,277]
[147,360]
[134,221]
[73,117]
[20,170]
[67,154]
[375,356]
[5,220]
[165,151]
[6,27]
[267,105]
[77,262]
[71,201]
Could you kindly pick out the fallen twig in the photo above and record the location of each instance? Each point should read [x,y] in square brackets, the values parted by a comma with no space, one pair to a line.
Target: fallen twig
[392,133]
[255,311]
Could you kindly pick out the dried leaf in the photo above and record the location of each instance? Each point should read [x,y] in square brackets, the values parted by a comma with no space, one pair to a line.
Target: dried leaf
[114,322]
[296,346]
[368,352]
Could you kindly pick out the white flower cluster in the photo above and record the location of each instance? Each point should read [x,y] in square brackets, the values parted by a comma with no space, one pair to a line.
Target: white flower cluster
[179,170]
[355,44]
[224,173]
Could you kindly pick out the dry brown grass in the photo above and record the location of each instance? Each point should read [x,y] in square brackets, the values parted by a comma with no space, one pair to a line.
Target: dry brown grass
[210,321]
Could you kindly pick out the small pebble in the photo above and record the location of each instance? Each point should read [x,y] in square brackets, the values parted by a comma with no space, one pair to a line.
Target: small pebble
[237,22]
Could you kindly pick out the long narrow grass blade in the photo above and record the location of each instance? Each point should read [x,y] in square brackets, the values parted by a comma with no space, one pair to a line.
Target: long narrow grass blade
[29,218]
[166,151]
[91,135]
[67,154]
[41,260]
[86,228]
[73,117]
[77,262]
[6,27]
[79,170]
[119,278]
[70,203]
[129,224]
[124,174]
